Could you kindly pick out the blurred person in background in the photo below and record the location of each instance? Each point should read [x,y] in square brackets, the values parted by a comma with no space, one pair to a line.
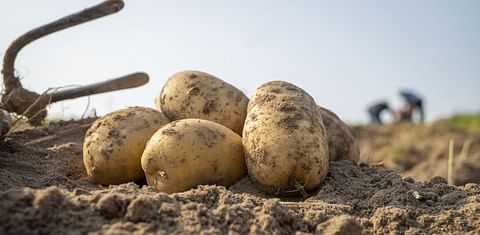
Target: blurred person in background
[375,111]
[413,104]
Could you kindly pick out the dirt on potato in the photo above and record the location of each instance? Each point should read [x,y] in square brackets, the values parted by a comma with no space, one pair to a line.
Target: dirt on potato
[44,189]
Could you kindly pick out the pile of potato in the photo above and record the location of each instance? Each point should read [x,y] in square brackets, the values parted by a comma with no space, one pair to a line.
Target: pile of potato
[206,131]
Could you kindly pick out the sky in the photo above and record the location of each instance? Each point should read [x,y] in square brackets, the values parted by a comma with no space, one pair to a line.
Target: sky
[346,54]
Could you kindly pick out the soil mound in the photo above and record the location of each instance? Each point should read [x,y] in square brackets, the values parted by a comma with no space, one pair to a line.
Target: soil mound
[45,190]
[421,151]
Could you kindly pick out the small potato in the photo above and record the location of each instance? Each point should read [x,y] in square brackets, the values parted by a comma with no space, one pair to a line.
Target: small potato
[5,123]
[114,144]
[342,144]
[194,94]
[191,152]
[284,139]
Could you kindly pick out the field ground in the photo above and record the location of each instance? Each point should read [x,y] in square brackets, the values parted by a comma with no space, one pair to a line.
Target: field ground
[44,189]
[421,151]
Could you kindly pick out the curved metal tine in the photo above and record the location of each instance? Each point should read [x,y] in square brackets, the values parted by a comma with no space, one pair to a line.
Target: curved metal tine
[103,9]
[124,82]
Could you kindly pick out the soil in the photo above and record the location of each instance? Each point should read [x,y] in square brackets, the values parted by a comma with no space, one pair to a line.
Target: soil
[44,190]
[422,151]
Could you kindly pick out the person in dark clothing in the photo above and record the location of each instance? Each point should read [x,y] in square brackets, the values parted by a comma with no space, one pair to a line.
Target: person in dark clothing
[376,110]
[413,104]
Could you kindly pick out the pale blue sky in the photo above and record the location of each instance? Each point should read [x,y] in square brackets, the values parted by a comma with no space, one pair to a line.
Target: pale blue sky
[346,54]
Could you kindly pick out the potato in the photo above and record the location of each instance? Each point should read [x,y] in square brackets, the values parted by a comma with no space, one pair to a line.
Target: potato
[114,144]
[194,94]
[342,144]
[191,152]
[5,123]
[284,139]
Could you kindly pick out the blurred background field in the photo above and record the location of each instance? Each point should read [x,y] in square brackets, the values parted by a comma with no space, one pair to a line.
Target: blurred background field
[468,122]
[421,151]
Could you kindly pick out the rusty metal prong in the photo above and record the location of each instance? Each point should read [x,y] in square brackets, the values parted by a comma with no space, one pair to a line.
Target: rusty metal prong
[128,81]
[10,82]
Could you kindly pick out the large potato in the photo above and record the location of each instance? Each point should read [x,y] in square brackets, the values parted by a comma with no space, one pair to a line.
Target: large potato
[284,139]
[191,152]
[114,144]
[342,144]
[194,94]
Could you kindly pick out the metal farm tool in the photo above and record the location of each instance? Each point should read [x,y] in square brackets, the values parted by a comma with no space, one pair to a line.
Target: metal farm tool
[32,105]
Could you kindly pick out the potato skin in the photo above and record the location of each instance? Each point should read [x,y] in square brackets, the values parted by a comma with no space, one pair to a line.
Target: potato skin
[191,152]
[114,144]
[284,139]
[342,143]
[195,94]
